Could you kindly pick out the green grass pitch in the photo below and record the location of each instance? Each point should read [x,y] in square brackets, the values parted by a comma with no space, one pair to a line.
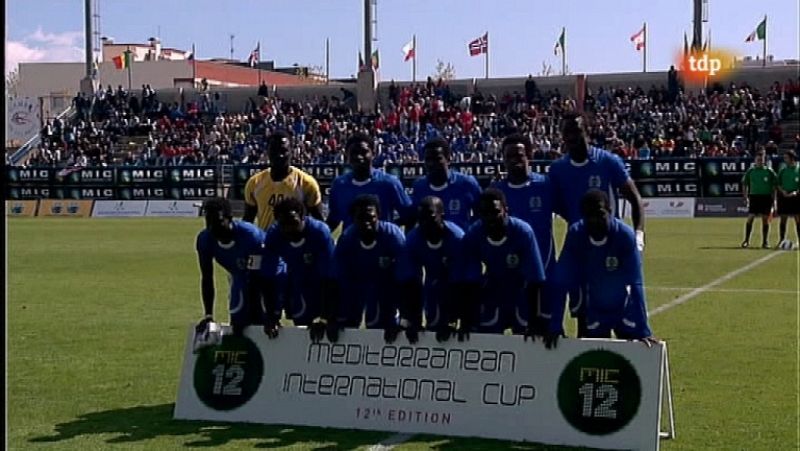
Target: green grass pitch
[98,310]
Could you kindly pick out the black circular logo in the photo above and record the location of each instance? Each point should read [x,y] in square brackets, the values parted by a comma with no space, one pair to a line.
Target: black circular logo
[599,392]
[228,375]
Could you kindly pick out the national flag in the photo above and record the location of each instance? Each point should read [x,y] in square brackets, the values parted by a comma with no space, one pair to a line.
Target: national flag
[376,60]
[638,39]
[409,51]
[122,61]
[190,56]
[479,45]
[561,41]
[759,33]
[255,56]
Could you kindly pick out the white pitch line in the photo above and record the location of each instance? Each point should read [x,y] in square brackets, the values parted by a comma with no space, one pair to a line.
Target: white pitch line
[394,440]
[698,291]
[725,290]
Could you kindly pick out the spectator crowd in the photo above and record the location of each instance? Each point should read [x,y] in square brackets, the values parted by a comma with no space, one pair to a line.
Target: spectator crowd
[661,122]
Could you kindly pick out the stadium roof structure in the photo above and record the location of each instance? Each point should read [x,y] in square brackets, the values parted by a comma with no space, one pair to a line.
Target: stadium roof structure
[232,73]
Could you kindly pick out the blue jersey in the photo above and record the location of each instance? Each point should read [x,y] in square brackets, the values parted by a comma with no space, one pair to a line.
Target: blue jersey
[459,195]
[532,202]
[602,170]
[436,267]
[608,277]
[308,265]
[239,257]
[369,276]
[386,187]
[510,265]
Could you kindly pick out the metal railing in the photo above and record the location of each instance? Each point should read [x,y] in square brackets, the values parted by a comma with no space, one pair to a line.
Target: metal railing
[19,155]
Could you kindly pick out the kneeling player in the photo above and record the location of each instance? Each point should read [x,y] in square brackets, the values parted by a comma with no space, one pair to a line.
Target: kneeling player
[306,245]
[507,295]
[365,262]
[435,247]
[237,247]
[601,260]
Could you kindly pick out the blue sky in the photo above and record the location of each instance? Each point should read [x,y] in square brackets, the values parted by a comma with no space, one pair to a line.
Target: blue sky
[521,32]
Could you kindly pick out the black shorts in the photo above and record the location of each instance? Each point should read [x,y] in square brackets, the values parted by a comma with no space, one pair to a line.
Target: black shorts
[788,206]
[760,204]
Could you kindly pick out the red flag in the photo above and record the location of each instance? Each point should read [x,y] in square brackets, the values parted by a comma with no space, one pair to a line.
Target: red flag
[638,39]
[255,56]
[480,45]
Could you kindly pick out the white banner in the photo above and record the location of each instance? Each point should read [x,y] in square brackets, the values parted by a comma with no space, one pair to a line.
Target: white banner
[596,393]
[173,208]
[662,207]
[118,208]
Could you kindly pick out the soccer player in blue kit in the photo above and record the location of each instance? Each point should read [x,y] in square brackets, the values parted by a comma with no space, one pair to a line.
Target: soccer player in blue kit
[600,260]
[237,247]
[582,168]
[366,265]
[458,192]
[507,294]
[306,245]
[530,198]
[364,179]
[433,268]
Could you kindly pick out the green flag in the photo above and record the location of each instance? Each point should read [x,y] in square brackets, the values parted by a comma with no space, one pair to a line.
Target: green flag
[760,32]
[560,42]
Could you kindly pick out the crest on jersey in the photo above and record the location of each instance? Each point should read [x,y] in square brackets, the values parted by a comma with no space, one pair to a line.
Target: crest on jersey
[612,263]
[454,206]
[512,261]
[535,203]
[308,258]
[594,181]
[384,262]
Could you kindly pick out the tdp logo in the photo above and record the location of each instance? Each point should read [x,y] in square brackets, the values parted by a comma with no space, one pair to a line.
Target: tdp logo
[705,64]
[698,66]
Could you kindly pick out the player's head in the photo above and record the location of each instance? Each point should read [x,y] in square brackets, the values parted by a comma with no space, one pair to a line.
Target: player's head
[431,215]
[493,211]
[366,210]
[761,156]
[437,157]
[359,152]
[279,148]
[573,134]
[517,151]
[290,214]
[790,157]
[596,211]
[219,218]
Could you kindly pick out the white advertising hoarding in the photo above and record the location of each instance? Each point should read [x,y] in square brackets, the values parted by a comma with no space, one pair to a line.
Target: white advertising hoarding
[596,393]
[661,207]
[172,208]
[118,208]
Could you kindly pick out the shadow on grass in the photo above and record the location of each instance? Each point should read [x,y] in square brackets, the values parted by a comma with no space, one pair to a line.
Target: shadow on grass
[481,444]
[140,423]
[753,247]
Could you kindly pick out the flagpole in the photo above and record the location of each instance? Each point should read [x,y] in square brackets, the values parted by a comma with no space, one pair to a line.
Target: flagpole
[327,60]
[258,62]
[764,61]
[194,67]
[644,54]
[130,63]
[564,51]
[414,59]
[487,55]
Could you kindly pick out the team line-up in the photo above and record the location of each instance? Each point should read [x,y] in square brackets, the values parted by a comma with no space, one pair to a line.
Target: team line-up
[468,261]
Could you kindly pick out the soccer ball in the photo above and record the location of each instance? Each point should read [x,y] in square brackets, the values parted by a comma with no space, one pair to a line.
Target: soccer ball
[786,245]
[211,336]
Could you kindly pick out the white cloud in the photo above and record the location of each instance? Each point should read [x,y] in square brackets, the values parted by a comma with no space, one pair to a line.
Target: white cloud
[41,46]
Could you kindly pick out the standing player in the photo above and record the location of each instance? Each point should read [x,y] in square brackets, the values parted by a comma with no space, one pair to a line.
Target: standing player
[459,192]
[583,168]
[788,197]
[530,198]
[507,294]
[758,186]
[281,180]
[432,265]
[366,264]
[601,260]
[364,179]
[237,247]
[306,245]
